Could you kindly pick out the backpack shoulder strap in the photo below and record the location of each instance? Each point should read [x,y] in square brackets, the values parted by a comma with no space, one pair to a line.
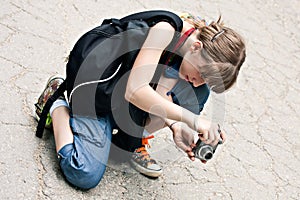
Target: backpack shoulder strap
[154,16]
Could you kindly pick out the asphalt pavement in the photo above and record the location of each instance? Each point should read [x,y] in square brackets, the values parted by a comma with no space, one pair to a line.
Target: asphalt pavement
[261,113]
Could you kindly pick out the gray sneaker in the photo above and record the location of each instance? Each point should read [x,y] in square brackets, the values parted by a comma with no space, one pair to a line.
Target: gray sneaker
[142,162]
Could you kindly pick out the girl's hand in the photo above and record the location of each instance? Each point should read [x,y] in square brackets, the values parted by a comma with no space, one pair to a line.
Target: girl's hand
[183,137]
[209,132]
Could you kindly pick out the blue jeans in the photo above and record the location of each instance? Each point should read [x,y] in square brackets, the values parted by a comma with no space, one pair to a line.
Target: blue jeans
[84,161]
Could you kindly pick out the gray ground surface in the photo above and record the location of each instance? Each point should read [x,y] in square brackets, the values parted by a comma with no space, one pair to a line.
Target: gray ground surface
[262,112]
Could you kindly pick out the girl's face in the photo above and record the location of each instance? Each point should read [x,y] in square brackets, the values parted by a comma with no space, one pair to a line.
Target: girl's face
[189,69]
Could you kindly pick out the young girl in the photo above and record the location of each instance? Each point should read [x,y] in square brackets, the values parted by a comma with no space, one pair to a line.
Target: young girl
[209,58]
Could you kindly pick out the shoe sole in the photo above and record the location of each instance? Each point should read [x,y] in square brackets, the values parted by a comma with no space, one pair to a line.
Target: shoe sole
[145,171]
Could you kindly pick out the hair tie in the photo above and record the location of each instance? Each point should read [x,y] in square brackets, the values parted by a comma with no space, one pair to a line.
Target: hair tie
[217,35]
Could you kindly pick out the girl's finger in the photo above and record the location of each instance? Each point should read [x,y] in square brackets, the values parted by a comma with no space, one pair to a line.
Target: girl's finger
[191,155]
[223,136]
[203,136]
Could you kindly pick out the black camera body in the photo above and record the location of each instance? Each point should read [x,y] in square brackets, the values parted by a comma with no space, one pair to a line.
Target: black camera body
[204,151]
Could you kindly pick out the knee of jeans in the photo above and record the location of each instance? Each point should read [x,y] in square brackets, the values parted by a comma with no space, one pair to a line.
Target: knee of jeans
[81,171]
[86,177]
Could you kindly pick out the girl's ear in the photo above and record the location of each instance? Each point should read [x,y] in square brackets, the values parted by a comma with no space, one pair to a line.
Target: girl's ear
[197,45]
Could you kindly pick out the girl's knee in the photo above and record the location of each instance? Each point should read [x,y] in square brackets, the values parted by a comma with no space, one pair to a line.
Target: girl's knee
[81,170]
[86,177]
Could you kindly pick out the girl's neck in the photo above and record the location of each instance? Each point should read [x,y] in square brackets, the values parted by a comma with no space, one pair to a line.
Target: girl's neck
[188,43]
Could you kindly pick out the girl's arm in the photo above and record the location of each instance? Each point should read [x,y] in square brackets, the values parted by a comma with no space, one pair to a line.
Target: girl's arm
[138,91]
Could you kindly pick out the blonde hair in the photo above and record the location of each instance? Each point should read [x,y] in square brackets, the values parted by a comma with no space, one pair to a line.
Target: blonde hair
[223,48]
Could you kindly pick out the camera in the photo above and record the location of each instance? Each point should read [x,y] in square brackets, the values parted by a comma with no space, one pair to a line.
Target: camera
[204,151]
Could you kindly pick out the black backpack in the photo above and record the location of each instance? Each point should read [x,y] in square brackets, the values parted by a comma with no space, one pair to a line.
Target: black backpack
[103,56]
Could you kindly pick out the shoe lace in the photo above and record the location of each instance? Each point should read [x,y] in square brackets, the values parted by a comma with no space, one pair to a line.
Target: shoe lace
[142,151]
[144,156]
[145,141]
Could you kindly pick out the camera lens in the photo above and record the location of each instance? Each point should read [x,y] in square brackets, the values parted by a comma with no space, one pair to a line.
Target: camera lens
[206,152]
[208,156]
